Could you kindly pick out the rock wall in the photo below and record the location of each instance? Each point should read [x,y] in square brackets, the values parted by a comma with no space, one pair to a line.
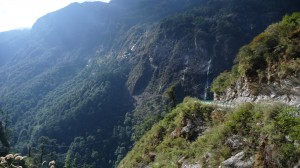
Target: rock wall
[285,91]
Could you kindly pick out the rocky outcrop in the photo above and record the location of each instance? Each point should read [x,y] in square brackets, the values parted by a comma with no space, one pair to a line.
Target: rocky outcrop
[191,166]
[285,91]
[238,161]
[267,69]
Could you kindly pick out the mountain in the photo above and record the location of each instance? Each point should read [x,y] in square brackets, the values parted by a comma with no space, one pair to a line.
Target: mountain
[245,134]
[88,77]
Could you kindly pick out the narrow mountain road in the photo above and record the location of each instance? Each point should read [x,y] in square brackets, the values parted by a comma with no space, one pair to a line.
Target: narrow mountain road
[218,103]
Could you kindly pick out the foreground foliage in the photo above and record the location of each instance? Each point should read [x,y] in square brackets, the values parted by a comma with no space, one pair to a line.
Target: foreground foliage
[268,134]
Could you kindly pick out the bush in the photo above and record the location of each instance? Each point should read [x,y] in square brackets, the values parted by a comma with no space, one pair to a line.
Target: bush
[222,82]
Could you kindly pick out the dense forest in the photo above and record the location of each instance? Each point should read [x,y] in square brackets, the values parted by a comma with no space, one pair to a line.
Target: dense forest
[83,95]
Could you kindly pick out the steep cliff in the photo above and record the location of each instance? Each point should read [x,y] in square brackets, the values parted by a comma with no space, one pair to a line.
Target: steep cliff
[268,69]
[190,49]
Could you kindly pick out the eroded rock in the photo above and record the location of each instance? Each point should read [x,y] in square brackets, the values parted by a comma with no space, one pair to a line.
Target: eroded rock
[238,161]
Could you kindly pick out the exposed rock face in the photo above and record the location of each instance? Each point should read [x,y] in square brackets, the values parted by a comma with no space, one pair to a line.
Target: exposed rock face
[238,161]
[235,142]
[285,91]
[193,129]
[191,166]
[298,165]
[258,77]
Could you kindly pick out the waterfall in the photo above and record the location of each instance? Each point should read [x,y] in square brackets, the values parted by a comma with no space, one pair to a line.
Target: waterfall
[207,81]
[186,63]
[195,42]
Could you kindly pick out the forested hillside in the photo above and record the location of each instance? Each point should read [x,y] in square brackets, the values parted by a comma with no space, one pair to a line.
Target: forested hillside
[89,79]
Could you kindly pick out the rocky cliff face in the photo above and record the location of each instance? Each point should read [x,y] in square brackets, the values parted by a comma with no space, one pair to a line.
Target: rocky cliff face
[189,49]
[267,69]
[285,91]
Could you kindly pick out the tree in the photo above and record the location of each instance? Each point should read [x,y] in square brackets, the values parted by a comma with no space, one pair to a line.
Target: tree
[3,137]
[171,94]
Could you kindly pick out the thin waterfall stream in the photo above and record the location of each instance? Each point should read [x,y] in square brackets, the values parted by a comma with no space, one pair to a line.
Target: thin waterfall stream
[206,88]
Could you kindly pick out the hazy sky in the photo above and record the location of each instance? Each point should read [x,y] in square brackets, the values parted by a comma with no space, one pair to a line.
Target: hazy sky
[23,13]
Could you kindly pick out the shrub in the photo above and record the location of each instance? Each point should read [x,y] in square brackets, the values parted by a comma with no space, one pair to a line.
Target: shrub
[222,82]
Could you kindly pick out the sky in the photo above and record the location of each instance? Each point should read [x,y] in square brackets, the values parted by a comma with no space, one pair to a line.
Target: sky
[15,14]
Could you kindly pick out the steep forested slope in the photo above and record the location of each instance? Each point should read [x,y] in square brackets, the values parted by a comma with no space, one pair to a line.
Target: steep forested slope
[198,135]
[69,81]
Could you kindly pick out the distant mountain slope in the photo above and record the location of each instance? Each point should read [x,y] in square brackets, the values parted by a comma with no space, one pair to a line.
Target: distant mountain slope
[88,73]
[10,42]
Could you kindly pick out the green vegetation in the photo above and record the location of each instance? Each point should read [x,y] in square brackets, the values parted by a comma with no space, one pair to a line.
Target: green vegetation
[223,81]
[171,94]
[94,107]
[81,95]
[272,55]
[268,133]
[159,138]
[4,133]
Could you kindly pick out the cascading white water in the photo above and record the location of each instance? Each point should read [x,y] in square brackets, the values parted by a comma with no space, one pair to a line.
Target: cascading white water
[207,82]
[186,63]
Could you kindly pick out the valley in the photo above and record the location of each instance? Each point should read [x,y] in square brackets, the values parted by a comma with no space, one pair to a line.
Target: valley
[85,85]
